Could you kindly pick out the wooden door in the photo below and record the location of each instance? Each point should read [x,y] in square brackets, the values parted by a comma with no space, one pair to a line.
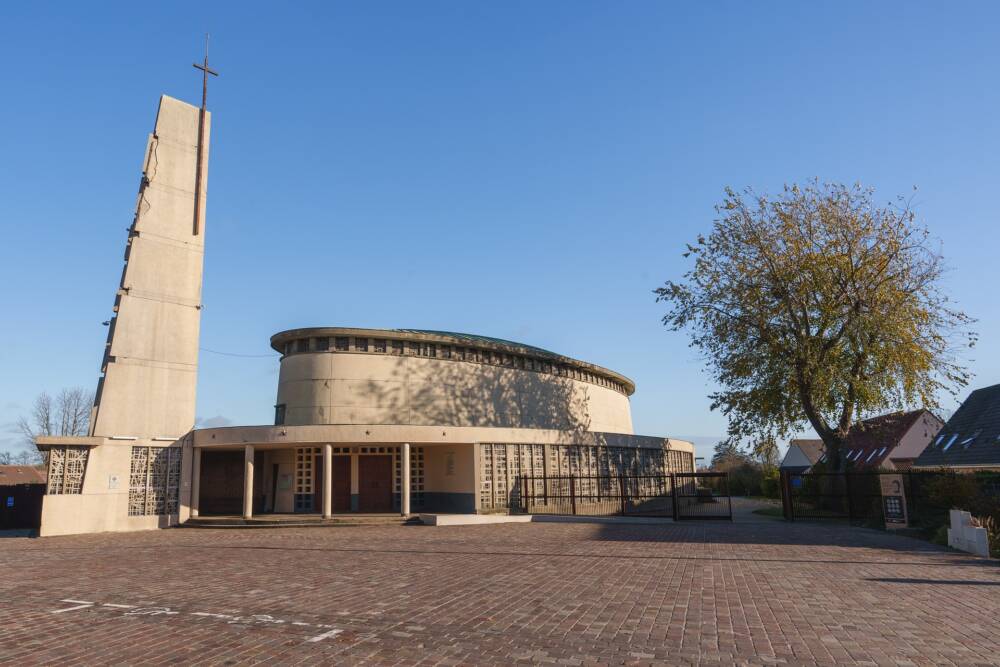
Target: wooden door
[341,483]
[375,483]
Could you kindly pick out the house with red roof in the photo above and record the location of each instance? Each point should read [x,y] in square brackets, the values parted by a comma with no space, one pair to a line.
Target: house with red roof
[891,441]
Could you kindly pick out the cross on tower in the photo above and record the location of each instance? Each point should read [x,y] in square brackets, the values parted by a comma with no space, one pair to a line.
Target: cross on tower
[205,71]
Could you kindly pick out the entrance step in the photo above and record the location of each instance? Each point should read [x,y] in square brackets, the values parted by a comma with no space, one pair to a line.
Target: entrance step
[300,521]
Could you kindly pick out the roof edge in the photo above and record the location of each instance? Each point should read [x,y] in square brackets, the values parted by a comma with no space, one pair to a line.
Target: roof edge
[453,338]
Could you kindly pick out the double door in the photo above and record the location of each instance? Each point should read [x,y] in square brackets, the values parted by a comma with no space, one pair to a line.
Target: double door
[374,484]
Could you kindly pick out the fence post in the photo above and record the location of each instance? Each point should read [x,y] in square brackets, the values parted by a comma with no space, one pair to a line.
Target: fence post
[847,492]
[911,497]
[572,493]
[786,495]
[673,494]
[621,493]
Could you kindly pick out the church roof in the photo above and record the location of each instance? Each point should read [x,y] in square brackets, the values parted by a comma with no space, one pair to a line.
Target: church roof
[476,338]
[279,339]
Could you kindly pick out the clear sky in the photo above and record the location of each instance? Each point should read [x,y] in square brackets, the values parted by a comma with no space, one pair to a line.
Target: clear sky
[525,170]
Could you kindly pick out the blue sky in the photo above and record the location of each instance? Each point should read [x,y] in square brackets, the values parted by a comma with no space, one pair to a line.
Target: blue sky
[523,170]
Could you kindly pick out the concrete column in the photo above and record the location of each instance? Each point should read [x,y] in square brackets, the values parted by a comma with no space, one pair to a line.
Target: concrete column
[195,479]
[404,486]
[248,482]
[327,481]
[354,483]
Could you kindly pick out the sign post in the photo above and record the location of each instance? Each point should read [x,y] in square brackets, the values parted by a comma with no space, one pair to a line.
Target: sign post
[893,501]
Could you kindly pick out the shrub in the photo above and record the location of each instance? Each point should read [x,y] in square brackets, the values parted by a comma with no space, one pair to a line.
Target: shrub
[770,485]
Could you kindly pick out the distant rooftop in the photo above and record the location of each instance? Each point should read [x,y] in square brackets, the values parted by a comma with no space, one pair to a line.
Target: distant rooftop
[971,437]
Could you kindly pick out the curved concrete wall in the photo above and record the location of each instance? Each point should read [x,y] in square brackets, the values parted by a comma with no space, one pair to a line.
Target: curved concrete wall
[348,388]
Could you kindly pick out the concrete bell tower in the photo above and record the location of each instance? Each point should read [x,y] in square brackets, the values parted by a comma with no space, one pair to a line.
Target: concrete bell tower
[149,372]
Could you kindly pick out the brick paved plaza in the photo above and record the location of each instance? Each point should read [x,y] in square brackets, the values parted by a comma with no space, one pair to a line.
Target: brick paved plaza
[759,592]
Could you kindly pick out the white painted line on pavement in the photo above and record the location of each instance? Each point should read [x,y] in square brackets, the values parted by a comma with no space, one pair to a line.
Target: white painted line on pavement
[80,605]
[325,635]
[251,620]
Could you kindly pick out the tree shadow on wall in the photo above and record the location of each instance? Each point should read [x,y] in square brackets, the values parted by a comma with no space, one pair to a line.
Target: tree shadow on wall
[428,392]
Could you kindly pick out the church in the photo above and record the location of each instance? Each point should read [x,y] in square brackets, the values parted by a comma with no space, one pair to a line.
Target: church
[366,421]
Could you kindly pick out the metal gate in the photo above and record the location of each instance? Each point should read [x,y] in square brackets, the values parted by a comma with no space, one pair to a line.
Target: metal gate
[702,495]
[678,496]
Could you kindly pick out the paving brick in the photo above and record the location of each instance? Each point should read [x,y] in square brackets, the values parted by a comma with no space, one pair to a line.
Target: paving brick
[751,592]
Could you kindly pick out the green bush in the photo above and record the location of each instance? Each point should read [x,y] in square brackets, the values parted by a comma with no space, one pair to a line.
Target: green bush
[770,485]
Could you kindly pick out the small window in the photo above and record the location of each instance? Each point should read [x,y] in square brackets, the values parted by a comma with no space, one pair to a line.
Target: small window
[341,343]
[968,441]
[950,442]
[322,344]
[414,348]
[849,455]
[881,451]
[487,357]
[302,345]
[429,350]
[380,345]
[288,347]
[870,456]
[939,439]
[279,414]
[361,344]
[446,351]
[397,347]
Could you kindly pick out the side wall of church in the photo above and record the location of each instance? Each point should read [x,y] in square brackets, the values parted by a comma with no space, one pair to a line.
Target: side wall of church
[116,486]
[328,388]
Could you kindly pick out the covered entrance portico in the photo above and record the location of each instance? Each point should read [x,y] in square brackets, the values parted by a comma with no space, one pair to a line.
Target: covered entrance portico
[322,480]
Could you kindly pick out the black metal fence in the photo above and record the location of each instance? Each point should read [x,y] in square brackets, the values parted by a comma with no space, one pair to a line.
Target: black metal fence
[921,499]
[678,496]
[702,495]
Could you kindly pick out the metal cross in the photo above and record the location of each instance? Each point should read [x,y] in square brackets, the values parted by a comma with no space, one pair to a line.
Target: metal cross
[205,71]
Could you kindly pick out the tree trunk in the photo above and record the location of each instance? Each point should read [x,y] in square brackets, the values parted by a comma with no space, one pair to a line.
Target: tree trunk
[834,445]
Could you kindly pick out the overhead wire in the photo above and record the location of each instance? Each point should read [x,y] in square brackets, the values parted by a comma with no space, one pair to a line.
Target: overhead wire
[236,354]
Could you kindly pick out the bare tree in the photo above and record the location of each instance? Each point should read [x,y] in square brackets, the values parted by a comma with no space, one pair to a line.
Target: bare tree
[68,414]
